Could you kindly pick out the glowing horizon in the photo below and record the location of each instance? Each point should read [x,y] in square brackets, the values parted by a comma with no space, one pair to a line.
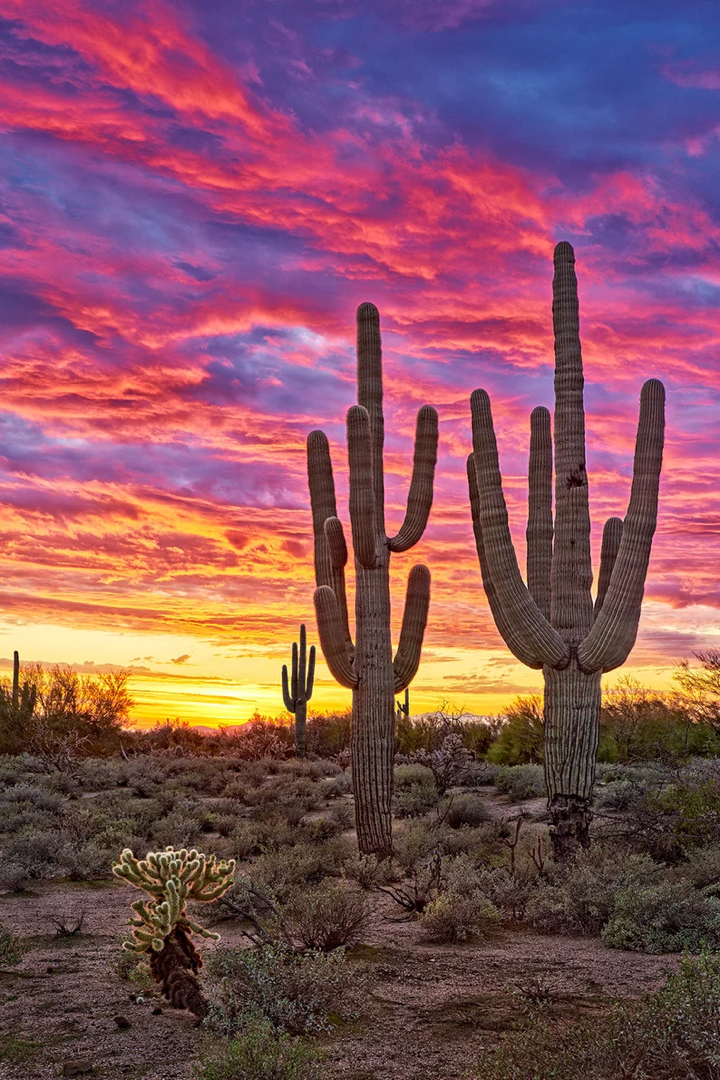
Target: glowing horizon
[195,199]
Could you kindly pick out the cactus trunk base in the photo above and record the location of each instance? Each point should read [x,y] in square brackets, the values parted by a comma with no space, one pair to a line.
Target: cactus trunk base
[570,828]
[175,968]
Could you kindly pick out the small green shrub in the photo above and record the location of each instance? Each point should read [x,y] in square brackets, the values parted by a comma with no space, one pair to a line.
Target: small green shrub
[662,918]
[580,896]
[451,917]
[462,810]
[260,1053]
[296,991]
[415,791]
[520,782]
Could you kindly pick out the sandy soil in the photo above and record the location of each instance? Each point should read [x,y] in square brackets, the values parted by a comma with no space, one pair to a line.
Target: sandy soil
[430,1013]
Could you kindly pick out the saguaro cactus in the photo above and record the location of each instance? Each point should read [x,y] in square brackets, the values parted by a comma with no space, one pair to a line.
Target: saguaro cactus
[298,693]
[367,666]
[552,623]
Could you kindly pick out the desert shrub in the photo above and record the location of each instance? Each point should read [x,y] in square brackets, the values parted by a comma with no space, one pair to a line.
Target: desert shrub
[260,1053]
[508,893]
[368,871]
[672,1034]
[296,991]
[701,867]
[327,918]
[662,918]
[416,842]
[344,816]
[521,782]
[693,807]
[35,853]
[11,949]
[179,829]
[520,738]
[415,791]
[90,861]
[284,871]
[619,795]
[452,917]
[581,895]
[460,810]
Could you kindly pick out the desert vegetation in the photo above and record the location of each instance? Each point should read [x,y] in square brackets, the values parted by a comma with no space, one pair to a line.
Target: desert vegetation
[528,896]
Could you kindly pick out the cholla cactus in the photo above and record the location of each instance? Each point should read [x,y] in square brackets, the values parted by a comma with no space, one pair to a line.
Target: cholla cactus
[162,927]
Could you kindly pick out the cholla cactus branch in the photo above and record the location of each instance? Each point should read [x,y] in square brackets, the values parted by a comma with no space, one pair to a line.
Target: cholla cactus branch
[553,622]
[162,928]
[367,665]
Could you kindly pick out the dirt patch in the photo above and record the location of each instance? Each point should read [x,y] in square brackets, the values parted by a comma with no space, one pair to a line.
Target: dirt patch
[431,1010]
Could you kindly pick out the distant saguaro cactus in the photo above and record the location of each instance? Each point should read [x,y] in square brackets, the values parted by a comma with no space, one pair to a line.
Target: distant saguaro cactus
[297,694]
[552,623]
[367,666]
[403,707]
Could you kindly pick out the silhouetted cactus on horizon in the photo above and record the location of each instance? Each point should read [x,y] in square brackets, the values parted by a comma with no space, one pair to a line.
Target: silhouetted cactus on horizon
[299,691]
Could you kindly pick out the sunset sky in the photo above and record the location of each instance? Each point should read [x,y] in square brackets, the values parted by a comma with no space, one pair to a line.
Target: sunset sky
[195,196]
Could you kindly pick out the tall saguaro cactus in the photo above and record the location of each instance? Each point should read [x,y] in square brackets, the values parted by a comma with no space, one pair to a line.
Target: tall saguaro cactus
[297,694]
[552,623]
[367,666]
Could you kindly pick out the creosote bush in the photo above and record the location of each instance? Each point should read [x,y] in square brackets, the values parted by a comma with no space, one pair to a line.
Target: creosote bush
[296,991]
[453,917]
[328,918]
[260,1053]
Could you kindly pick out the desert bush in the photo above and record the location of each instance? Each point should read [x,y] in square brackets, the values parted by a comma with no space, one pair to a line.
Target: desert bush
[90,861]
[11,950]
[508,893]
[619,795]
[368,871]
[260,1053]
[296,991]
[288,869]
[344,816]
[520,738]
[327,918]
[662,918]
[453,917]
[415,791]
[463,810]
[178,829]
[580,896]
[36,853]
[672,1034]
[521,782]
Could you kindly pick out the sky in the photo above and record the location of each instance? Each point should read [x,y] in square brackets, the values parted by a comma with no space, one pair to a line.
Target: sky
[194,198]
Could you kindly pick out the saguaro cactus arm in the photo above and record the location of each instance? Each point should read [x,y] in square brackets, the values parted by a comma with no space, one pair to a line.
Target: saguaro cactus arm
[540,520]
[288,698]
[332,640]
[417,602]
[613,635]
[329,564]
[362,498]
[370,396]
[571,574]
[421,486]
[527,632]
[611,537]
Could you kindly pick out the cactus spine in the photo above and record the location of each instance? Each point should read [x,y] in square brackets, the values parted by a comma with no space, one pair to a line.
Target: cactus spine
[297,694]
[552,623]
[367,666]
